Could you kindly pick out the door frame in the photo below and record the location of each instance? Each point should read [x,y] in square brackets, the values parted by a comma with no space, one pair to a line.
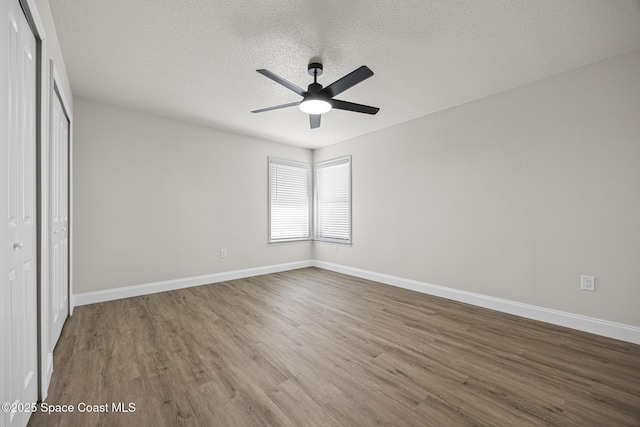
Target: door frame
[32,14]
[55,89]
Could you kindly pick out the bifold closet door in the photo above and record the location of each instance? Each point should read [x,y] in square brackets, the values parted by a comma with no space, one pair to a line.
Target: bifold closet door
[19,376]
[59,208]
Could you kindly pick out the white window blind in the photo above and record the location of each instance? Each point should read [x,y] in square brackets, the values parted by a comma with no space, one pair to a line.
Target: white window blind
[333,200]
[289,200]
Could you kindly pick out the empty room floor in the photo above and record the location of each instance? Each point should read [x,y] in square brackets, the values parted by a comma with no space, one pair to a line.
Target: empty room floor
[315,348]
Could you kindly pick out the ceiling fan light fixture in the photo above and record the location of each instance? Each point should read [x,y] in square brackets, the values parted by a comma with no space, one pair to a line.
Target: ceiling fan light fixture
[317,100]
[315,106]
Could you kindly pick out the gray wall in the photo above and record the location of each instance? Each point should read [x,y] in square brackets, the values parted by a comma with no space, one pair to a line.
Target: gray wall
[156,199]
[513,196]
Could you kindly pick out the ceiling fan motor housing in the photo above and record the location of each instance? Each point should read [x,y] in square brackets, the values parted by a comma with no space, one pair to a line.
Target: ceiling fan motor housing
[314,88]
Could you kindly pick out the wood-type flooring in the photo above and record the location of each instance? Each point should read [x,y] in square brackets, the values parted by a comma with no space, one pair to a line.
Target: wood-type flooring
[312,347]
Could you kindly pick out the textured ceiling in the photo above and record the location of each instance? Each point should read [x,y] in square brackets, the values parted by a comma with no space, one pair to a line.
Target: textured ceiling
[195,60]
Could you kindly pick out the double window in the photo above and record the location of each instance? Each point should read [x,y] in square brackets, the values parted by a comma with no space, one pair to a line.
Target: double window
[303,198]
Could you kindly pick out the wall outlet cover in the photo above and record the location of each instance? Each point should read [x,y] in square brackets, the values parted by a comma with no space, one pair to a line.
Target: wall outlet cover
[588,283]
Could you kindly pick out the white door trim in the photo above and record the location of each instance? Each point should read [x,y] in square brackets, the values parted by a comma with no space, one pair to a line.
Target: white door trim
[30,9]
[56,85]
[56,91]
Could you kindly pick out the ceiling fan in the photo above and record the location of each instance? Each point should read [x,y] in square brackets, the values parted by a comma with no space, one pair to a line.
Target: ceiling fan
[316,100]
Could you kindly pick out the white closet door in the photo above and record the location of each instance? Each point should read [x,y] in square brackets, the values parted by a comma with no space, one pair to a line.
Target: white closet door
[18,211]
[59,208]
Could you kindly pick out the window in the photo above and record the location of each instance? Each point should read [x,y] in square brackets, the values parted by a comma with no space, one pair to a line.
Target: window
[289,200]
[332,194]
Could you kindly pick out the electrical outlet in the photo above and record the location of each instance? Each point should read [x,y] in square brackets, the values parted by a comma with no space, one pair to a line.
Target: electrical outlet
[587,283]
[223,253]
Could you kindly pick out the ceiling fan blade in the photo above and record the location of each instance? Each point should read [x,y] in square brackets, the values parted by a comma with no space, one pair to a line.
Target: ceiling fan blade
[314,120]
[348,81]
[277,107]
[282,81]
[350,106]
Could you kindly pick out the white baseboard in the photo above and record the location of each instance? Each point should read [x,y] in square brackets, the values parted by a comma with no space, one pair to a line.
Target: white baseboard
[170,285]
[605,328]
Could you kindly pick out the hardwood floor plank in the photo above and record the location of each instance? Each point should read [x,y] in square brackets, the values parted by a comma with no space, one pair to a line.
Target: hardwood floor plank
[299,407]
[311,347]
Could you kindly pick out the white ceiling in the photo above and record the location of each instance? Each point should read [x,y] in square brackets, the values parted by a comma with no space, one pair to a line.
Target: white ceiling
[195,60]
